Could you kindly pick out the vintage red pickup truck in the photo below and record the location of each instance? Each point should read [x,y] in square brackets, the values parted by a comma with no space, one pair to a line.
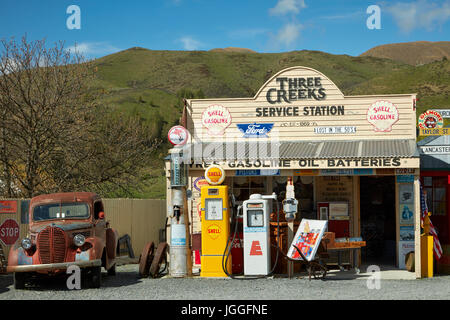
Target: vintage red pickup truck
[65,229]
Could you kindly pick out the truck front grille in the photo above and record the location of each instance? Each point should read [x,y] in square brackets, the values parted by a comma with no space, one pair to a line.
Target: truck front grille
[51,243]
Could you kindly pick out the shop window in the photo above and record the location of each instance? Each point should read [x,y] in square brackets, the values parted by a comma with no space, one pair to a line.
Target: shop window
[243,187]
[304,191]
[436,189]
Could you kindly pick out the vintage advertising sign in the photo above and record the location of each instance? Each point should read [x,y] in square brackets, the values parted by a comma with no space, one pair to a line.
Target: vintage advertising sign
[214,174]
[382,115]
[404,247]
[200,182]
[9,232]
[435,149]
[8,206]
[178,135]
[255,130]
[430,119]
[406,213]
[216,119]
[258,172]
[307,239]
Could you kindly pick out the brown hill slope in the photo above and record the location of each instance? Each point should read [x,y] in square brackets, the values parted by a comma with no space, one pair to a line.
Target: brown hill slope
[413,53]
[233,49]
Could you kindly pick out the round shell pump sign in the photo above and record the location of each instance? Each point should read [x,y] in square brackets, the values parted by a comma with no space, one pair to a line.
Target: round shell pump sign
[214,174]
[430,120]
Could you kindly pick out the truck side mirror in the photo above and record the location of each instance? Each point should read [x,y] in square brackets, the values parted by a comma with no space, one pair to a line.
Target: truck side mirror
[101,215]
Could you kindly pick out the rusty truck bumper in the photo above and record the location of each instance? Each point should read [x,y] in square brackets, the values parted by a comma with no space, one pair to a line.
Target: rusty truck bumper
[54,266]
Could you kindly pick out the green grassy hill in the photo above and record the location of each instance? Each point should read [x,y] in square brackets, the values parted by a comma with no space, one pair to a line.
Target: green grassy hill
[151,84]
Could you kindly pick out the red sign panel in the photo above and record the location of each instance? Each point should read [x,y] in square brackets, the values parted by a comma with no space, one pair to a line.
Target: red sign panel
[8,206]
[9,232]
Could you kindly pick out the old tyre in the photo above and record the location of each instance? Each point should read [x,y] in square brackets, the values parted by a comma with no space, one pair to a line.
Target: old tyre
[112,271]
[96,277]
[19,280]
[146,259]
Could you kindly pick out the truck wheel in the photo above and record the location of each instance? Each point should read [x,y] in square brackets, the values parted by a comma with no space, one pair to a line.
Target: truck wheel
[112,271]
[96,277]
[19,280]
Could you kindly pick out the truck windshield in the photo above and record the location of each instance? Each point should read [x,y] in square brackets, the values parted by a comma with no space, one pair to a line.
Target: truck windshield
[60,211]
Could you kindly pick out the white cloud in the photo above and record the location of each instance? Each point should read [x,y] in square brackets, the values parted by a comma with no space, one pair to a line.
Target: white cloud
[419,14]
[287,35]
[287,6]
[93,48]
[190,43]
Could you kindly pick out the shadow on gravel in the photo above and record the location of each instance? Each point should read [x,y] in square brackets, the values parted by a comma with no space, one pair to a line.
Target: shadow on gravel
[5,282]
[59,282]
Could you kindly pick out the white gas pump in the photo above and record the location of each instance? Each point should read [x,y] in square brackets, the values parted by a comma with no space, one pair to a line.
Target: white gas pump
[256,218]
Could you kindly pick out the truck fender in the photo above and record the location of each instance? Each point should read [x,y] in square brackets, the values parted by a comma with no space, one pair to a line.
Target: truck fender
[111,243]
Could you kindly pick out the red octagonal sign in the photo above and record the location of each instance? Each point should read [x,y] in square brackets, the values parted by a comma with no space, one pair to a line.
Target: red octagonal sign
[9,232]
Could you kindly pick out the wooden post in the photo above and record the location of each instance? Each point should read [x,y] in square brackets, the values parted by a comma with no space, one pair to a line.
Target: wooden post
[290,264]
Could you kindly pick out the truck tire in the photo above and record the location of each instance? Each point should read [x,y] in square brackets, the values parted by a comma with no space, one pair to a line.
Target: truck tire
[19,280]
[112,271]
[96,277]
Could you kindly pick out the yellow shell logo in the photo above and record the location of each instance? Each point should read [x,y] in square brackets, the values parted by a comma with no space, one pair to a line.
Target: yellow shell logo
[213,231]
[214,175]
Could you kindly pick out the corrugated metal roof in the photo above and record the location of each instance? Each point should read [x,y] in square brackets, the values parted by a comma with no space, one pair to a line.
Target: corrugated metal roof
[303,150]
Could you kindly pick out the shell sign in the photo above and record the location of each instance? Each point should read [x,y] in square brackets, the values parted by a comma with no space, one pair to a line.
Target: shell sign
[214,231]
[214,174]
[216,119]
[382,115]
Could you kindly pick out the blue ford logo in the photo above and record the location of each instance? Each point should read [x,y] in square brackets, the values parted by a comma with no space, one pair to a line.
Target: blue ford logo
[255,130]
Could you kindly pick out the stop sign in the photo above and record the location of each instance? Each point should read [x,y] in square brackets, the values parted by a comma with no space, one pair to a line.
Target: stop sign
[9,232]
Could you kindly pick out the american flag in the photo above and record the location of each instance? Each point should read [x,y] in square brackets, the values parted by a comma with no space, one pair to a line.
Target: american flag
[424,213]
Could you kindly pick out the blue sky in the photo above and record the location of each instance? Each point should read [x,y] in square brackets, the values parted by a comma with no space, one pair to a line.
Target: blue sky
[334,26]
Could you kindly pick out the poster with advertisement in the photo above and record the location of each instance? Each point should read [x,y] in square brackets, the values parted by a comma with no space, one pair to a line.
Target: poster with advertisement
[307,239]
[406,213]
[406,233]
[404,247]
[406,193]
[8,206]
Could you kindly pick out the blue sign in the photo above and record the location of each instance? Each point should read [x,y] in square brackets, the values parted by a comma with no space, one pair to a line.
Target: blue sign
[258,172]
[405,178]
[255,130]
[363,172]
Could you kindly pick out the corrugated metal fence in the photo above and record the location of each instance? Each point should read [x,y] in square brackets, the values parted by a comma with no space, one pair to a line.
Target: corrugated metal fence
[141,219]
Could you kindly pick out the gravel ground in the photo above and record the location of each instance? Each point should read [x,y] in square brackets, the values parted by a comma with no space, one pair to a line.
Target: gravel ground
[127,285]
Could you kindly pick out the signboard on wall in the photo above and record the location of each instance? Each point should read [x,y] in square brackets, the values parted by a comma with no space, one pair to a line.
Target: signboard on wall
[303,104]
[8,206]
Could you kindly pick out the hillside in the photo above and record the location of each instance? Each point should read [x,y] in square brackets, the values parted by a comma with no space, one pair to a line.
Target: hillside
[151,84]
[413,53]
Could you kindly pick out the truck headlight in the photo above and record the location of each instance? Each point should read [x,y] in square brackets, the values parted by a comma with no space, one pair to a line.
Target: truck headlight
[26,243]
[79,240]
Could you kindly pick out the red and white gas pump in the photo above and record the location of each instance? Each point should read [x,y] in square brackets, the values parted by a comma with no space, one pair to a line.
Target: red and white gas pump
[256,227]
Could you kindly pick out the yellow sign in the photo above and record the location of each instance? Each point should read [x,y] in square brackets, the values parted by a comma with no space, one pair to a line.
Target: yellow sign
[214,174]
[435,132]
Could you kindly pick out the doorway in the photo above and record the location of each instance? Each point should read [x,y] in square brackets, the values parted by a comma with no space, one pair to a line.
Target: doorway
[378,221]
